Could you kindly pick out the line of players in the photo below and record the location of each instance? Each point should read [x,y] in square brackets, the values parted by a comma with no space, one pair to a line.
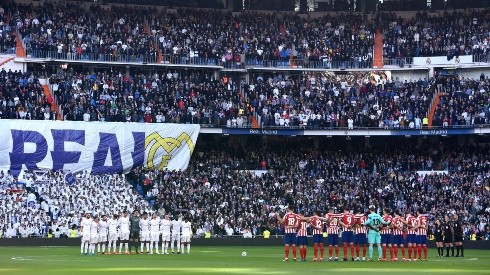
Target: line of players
[353,233]
[147,232]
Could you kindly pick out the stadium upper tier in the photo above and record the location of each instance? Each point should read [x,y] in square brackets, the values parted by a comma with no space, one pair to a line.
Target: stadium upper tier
[313,101]
[200,37]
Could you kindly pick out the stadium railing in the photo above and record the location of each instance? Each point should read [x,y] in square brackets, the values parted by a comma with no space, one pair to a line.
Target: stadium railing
[134,58]
[301,63]
[481,58]
[186,60]
[7,50]
[398,62]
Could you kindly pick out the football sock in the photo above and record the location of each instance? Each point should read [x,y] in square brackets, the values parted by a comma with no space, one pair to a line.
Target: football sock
[447,251]
[457,249]
[82,247]
[383,248]
[392,256]
[304,252]
[395,251]
[294,251]
[462,251]
[120,246]
[172,246]
[380,251]
[425,251]
[151,247]
[352,250]
[330,251]
[188,248]
[322,250]
[358,249]
[336,251]
[345,250]
[403,251]
[370,251]
[103,247]
[420,251]
[178,245]
[452,251]
[364,251]
[126,247]
[315,250]
[409,252]
[286,251]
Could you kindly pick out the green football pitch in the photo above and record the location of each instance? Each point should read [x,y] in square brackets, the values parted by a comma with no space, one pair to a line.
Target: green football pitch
[220,260]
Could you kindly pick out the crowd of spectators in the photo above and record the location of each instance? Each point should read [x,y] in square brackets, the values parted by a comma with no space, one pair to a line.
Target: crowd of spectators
[231,188]
[463,102]
[225,198]
[446,33]
[310,101]
[69,31]
[42,202]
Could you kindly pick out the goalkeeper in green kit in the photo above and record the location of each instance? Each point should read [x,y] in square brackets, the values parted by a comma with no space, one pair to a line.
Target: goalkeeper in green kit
[374,223]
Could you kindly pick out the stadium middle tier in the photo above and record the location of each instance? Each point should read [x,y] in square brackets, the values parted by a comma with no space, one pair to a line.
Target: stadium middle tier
[315,100]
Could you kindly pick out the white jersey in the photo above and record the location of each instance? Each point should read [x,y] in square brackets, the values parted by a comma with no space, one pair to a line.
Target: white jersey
[103,228]
[155,225]
[186,229]
[144,225]
[124,224]
[176,225]
[85,224]
[94,228]
[165,226]
[112,224]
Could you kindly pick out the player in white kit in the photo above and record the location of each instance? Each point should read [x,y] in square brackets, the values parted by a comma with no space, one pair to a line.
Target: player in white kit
[112,224]
[94,234]
[165,226]
[145,232]
[124,231]
[85,229]
[154,232]
[176,225]
[102,234]
[186,235]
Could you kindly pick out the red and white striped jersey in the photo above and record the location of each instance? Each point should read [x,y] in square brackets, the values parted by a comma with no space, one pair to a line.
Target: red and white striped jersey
[422,221]
[333,223]
[386,229]
[348,220]
[316,222]
[411,222]
[302,229]
[397,223]
[291,221]
[360,220]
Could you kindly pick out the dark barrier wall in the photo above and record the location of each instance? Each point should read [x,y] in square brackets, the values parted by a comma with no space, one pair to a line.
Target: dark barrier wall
[198,242]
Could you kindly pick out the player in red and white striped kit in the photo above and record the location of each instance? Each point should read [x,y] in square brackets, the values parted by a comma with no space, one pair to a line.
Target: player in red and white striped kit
[347,222]
[333,231]
[397,240]
[360,238]
[302,237]
[290,221]
[317,225]
[421,233]
[386,235]
[411,223]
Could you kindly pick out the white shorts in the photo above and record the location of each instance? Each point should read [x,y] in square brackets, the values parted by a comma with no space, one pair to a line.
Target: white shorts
[102,238]
[155,236]
[85,237]
[175,237]
[124,235]
[145,236]
[186,239]
[113,236]
[165,236]
[94,238]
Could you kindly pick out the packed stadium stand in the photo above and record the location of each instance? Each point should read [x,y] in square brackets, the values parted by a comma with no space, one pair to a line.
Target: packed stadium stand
[353,107]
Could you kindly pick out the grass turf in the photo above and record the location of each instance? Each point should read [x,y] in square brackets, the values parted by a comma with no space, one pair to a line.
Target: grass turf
[220,260]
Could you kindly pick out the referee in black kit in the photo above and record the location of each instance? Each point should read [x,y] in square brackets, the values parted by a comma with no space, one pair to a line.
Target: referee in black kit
[448,235]
[458,235]
[439,238]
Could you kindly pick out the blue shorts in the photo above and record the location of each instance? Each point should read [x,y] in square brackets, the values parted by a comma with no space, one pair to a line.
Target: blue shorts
[411,238]
[421,239]
[318,238]
[290,238]
[301,240]
[397,240]
[361,238]
[385,238]
[347,237]
[333,239]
